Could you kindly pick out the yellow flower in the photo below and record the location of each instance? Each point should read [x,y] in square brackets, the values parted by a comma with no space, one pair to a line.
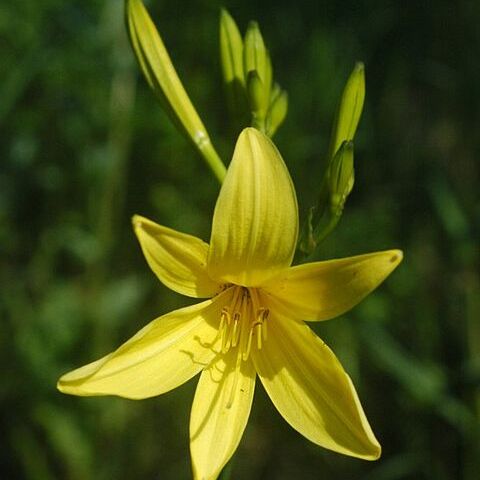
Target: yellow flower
[251,324]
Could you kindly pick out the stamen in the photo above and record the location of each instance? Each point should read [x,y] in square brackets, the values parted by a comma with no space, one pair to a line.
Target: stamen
[222,319]
[246,352]
[242,320]
[236,374]
[238,338]
[236,329]
[226,330]
[237,297]
[257,331]
[265,315]
[255,300]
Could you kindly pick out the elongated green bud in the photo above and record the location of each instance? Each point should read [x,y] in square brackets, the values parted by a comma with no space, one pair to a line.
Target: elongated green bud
[338,183]
[255,91]
[256,99]
[277,111]
[275,92]
[163,79]
[349,110]
[341,177]
[231,49]
[231,59]
[256,58]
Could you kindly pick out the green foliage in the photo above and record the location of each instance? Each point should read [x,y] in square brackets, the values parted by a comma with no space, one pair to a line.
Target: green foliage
[84,147]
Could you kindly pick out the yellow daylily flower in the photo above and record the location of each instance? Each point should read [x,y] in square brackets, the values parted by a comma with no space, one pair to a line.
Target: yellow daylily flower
[251,323]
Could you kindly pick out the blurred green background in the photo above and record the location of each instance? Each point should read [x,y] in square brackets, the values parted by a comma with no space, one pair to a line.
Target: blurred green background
[84,146]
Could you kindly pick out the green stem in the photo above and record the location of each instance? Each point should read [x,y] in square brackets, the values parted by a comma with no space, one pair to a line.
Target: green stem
[258,122]
[211,157]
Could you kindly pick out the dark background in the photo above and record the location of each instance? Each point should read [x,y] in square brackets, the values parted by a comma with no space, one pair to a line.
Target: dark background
[84,146]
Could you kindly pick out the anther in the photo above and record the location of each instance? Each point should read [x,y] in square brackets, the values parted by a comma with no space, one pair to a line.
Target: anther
[265,315]
[242,320]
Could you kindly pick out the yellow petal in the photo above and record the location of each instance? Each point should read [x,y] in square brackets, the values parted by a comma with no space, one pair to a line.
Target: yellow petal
[324,290]
[220,413]
[255,224]
[312,392]
[163,355]
[177,259]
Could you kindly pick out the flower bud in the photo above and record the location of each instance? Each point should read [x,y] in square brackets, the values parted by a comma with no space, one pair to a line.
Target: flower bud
[256,99]
[341,177]
[231,50]
[277,110]
[256,57]
[349,109]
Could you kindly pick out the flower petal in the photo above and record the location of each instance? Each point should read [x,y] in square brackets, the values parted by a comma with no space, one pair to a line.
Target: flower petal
[255,224]
[220,413]
[161,356]
[177,259]
[324,290]
[310,389]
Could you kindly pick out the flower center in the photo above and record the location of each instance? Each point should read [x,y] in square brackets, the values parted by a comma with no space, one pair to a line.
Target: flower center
[243,324]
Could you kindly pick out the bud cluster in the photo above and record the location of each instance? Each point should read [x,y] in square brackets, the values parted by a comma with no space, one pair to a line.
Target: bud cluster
[248,77]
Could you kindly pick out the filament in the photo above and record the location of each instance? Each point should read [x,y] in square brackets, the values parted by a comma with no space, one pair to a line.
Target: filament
[243,325]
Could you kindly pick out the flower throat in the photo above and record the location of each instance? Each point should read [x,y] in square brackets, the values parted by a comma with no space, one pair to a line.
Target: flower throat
[243,324]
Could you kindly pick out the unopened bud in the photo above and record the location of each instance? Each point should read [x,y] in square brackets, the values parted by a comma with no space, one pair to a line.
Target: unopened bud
[231,49]
[256,57]
[277,111]
[350,109]
[341,177]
